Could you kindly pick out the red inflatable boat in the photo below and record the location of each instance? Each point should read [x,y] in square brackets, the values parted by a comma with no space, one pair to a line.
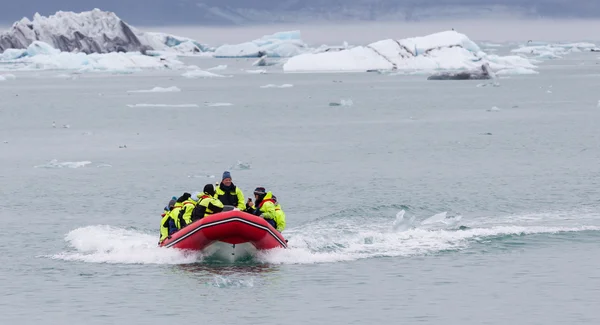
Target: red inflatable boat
[231,234]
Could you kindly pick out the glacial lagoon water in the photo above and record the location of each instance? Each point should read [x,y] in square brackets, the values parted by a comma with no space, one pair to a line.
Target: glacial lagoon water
[414,201]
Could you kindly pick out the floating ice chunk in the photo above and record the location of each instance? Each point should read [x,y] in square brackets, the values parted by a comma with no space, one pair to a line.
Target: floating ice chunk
[201,176]
[258,71]
[240,165]
[516,71]
[343,102]
[172,89]
[218,104]
[201,74]
[219,67]
[447,50]
[163,105]
[494,109]
[41,56]
[282,44]
[275,86]
[67,164]
[4,77]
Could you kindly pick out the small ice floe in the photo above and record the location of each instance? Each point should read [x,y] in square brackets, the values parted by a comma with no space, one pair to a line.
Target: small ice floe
[201,74]
[172,89]
[123,146]
[240,165]
[276,86]
[494,109]
[54,124]
[201,176]
[67,164]
[343,102]
[67,76]
[87,133]
[66,126]
[218,104]
[163,105]
[219,67]
[257,71]
[549,91]
[6,142]
[4,77]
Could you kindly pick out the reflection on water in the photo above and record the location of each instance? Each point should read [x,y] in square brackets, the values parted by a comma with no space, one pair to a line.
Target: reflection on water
[215,268]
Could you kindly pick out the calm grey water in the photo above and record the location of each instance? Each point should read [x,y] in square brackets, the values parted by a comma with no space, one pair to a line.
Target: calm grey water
[413,205]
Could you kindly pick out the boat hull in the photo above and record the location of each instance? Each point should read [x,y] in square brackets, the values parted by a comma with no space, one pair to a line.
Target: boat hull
[227,234]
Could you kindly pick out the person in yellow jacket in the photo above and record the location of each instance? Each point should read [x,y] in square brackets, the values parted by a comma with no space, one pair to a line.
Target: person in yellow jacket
[207,204]
[279,215]
[265,207]
[167,225]
[176,214]
[229,194]
[188,206]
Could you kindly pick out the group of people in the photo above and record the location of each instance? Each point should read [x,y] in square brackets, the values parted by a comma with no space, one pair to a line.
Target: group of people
[188,208]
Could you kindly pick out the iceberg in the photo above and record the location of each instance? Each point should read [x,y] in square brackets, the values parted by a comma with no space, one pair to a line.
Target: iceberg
[42,56]
[553,51]
[448,50]
[281,45]
[89,32]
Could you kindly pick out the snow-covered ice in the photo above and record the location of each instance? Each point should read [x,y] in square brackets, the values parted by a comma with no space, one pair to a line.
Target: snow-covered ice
[276,86]
[218,104]
[282,44]
[201,74]
[163,105]
[553,51]
[447,50]
[94,31]
[42,56]
[171,89]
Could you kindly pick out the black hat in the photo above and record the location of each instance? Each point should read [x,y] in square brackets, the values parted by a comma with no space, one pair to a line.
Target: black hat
[209,189]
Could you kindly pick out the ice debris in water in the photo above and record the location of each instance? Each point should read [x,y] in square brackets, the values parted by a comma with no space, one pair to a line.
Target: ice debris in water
[171,89]
[67,164]
[201,74]
[218,104]
[4,77]
[163,105]
[343,102]
[276,86]
[201,176]
[219,67]
[240,165]
[258,71]
[494,109]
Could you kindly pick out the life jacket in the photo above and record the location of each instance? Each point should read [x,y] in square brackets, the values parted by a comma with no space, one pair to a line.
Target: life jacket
[227,196]
[201,209]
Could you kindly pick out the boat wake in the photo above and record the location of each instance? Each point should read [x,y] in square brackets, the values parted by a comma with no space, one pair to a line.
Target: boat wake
[338,238]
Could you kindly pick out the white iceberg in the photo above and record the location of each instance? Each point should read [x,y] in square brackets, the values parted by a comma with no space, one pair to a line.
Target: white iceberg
[42,56]
[164,105]
[447,50]
[94,31]
[282,44]
[4,77]
[172,89]
[553,51]
[197,73]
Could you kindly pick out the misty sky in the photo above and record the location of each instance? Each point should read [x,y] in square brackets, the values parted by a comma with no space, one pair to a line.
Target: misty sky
[242,12]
